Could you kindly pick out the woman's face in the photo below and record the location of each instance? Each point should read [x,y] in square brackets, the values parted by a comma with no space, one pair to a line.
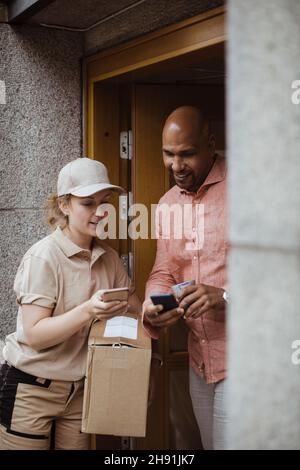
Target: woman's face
[84,213]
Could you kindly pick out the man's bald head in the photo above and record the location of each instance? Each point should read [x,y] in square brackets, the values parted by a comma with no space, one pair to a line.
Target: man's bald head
[188,147]
[188,119]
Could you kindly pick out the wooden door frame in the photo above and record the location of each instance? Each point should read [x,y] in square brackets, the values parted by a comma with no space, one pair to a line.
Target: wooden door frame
[196,33]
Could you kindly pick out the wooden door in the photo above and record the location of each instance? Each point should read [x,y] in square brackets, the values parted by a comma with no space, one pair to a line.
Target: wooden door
[171,423]
[143,108]
[111,114]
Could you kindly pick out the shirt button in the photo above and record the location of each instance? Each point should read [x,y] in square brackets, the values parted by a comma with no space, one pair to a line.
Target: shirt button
[195,257]
[203,341]
[194,229]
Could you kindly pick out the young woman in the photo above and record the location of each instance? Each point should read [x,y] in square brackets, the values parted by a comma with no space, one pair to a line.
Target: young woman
[57,288]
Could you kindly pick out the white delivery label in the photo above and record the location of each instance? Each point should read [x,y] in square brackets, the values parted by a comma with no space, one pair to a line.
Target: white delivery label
[121,326]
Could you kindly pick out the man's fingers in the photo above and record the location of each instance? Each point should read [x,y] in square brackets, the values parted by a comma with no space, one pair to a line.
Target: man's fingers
[152,312]
[195,306]
[154,309]
[167,318]
[202,310]
[186,291]
[190,299]
[197,309]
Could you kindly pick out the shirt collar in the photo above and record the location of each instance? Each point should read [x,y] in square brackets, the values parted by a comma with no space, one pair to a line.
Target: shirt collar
[70,248]
[216,174]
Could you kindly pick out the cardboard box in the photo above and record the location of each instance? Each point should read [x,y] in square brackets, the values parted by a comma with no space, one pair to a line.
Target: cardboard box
[117,378]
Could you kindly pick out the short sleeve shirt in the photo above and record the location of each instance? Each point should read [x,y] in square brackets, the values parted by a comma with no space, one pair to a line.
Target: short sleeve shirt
[57,274]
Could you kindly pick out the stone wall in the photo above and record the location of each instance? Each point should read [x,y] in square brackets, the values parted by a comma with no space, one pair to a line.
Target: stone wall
[40,131]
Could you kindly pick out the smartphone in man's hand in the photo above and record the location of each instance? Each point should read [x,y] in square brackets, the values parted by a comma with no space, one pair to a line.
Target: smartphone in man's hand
[168,301]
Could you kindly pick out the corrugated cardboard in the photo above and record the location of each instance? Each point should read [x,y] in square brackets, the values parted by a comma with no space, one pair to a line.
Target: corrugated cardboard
[117,382]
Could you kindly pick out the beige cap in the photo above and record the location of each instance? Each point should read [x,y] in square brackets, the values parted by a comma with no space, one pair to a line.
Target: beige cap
[83,177]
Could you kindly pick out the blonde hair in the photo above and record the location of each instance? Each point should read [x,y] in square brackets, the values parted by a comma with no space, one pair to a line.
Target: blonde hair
[55,217]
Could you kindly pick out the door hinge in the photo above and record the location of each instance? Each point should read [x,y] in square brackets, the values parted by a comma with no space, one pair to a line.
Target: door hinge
[127,261]
[126,145]
[125,202]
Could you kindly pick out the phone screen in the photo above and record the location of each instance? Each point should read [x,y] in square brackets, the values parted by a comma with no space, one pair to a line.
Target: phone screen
[168,301]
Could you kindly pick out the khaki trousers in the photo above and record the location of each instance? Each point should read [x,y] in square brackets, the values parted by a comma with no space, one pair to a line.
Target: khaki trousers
[28,407]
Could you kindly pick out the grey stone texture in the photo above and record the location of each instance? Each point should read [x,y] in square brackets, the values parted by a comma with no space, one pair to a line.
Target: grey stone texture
[149,16]
[20,230]
[40,131]
[264,399]
[264,47]
[264,197]
[40,123]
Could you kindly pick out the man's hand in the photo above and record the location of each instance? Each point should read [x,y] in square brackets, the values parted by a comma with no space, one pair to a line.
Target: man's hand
[198,299]
[162,320]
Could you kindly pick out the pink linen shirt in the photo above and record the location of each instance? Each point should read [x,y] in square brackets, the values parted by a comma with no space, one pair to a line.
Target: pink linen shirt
[200,254]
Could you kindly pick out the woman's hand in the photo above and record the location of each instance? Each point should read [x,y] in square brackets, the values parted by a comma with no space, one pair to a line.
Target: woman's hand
[105,310]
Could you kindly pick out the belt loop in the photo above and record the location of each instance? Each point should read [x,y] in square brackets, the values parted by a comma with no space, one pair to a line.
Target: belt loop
[40,380]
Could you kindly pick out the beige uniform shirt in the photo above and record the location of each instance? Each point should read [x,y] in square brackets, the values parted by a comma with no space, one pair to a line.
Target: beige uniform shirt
[58,274]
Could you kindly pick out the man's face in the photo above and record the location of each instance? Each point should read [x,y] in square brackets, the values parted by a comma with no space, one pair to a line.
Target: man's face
[188,155]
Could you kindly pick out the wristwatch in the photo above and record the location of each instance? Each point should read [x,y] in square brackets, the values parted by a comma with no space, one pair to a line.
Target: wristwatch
[226,296]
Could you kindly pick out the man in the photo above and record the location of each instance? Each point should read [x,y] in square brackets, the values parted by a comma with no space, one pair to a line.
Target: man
[200,255]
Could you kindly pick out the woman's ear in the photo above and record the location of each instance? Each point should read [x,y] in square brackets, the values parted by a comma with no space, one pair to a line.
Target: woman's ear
[64,206]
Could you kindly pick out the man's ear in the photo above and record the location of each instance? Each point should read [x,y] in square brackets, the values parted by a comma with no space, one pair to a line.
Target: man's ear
[212,144]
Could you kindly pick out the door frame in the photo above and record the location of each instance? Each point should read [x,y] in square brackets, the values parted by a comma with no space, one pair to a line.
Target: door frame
[191,35]
[196,33]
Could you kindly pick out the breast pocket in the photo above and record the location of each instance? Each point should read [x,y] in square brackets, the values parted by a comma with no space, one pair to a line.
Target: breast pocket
[76,291]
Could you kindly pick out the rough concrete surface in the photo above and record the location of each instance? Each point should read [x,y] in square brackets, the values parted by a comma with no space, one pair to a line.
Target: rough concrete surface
[40,131]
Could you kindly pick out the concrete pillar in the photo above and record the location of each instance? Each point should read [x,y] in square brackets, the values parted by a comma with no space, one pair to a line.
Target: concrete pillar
[264,196]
